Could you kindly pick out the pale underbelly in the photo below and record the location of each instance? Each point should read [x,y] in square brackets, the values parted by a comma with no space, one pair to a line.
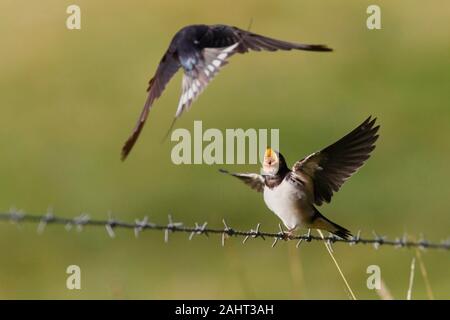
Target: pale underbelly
[291,206]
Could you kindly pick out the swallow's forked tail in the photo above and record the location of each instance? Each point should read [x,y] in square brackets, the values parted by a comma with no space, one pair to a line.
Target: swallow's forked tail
[321,222]
[313,47]
[169,131]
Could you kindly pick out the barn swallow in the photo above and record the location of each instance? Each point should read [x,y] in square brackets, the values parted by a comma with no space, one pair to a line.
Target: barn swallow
[292,194]
[201,51]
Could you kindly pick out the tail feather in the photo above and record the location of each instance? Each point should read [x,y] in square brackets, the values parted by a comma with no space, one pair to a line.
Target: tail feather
[313,47]
[321,222]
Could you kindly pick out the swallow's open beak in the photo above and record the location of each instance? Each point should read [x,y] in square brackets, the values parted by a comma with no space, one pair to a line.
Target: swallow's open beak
[270,165]
[270,157]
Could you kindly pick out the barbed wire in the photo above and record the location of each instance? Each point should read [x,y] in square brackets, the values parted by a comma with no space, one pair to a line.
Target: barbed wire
[138,226]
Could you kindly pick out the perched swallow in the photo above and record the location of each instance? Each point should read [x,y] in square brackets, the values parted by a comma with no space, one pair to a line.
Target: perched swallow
[293,193]
[201,51]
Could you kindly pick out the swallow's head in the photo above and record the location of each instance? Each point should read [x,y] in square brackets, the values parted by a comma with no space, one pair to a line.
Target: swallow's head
[273,161]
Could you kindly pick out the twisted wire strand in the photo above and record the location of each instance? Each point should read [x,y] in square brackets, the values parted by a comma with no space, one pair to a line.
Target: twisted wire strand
[140,225]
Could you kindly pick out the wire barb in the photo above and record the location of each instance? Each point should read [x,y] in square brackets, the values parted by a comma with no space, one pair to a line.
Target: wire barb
[254,233]
[80,221]
[198,230]
[16,216]
[378,240]
[110,225]
[140,225]
[170,227]
[227,232]
[48,217]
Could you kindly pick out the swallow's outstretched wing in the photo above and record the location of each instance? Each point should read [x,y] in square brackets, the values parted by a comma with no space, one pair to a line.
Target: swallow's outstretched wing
[329,168]
[168,66]
[219,43]
[253,180]
[224,36]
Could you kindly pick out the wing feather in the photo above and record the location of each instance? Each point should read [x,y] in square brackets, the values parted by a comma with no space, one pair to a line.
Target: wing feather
[168,66]
[204,71]
[332,166]
[251,41]
[253,180]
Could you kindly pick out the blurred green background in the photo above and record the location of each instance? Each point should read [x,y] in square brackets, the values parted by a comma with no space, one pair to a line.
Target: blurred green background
[70,98]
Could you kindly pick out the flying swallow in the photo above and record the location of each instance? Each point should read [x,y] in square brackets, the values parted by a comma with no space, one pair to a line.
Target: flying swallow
[292,194]
[202,50]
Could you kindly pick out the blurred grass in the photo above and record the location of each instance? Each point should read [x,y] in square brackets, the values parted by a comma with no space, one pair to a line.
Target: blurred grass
[70,98]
